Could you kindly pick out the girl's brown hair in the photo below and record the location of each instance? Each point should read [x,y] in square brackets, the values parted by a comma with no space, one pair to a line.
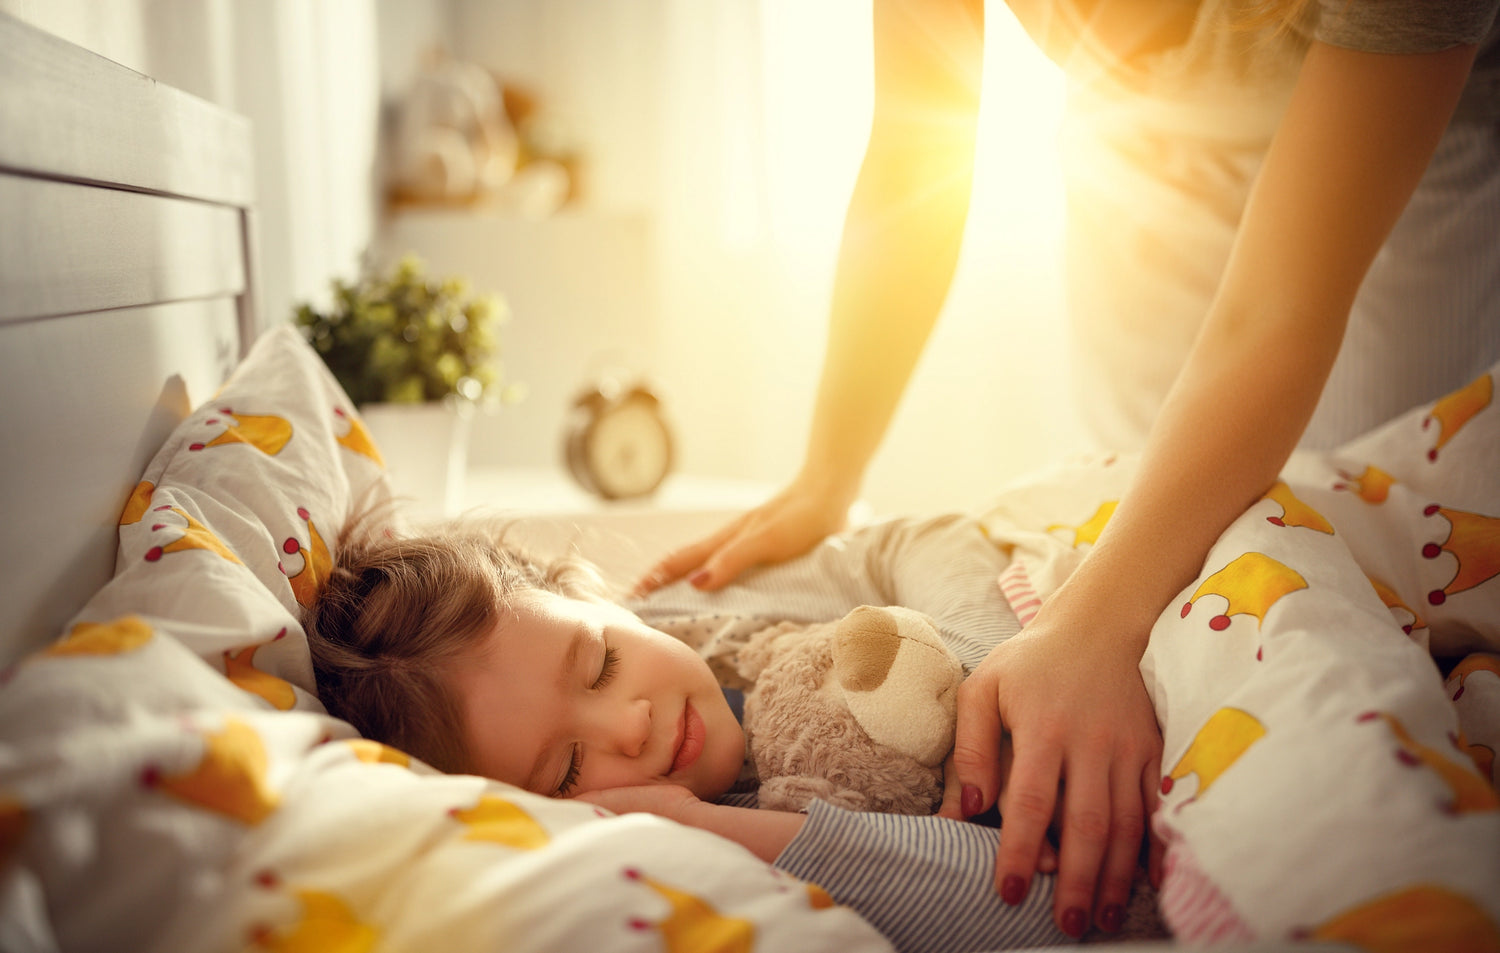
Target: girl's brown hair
[398,611]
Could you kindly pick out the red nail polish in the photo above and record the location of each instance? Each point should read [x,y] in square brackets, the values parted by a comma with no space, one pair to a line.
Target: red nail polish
[1074,922]
[1112,917]
[699,578]
[1013,890]
[970,800]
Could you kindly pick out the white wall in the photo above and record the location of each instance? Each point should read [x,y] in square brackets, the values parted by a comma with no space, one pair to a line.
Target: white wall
[582,287]
[734,130]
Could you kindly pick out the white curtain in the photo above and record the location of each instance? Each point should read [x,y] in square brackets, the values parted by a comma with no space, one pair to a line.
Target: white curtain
[305,73]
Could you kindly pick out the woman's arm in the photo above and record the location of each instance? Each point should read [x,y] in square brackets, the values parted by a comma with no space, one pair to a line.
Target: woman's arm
[903,229]
[1355,140]
[902,234]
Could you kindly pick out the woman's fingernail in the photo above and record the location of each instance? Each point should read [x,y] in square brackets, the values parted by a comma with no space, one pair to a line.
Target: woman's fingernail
[970,800]
[1013,890]
[1074,922]
[1112,917]
[699,579]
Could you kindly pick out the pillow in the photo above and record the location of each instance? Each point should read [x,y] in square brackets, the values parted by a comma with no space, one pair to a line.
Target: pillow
[168,779]
[230,526]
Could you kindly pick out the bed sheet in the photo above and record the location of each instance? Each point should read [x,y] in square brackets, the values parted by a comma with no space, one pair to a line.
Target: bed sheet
[1320,777]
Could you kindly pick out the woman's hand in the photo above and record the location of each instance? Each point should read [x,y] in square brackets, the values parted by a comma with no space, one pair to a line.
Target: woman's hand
[1086,746]
[952,806]
[786,526]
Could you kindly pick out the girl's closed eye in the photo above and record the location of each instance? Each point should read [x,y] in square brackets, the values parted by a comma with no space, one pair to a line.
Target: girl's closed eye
[607,671]
[575,763]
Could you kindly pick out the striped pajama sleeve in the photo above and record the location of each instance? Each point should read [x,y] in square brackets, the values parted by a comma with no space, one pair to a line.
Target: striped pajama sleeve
[926,883]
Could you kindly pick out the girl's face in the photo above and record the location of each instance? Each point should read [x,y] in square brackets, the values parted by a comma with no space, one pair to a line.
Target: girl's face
[566,696]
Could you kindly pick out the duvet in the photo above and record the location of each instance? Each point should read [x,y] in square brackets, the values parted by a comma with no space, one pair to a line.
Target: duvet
[1328,688]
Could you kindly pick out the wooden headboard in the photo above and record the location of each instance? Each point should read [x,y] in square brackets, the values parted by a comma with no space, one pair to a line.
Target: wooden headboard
[125,299]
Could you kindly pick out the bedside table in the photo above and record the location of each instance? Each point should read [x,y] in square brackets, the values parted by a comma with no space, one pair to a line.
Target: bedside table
[553,515]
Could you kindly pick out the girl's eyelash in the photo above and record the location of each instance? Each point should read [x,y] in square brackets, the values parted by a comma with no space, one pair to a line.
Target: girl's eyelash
[607,672]
[575,762]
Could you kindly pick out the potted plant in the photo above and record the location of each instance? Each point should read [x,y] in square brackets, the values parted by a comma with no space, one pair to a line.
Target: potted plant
[416,356]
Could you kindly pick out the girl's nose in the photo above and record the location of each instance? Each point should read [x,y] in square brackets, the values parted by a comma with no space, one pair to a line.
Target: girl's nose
[625,728]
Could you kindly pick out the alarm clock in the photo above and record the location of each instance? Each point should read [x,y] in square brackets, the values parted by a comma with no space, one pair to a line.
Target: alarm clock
[618,443]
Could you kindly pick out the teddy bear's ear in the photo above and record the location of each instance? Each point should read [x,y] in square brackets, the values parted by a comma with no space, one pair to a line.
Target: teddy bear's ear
[866,644]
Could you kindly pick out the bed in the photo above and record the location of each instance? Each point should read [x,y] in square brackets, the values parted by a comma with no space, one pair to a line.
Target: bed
[177,467]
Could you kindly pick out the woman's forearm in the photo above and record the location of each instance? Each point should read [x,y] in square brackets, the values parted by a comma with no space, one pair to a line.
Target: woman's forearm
[903,229]
[1218,445]
[1351,149]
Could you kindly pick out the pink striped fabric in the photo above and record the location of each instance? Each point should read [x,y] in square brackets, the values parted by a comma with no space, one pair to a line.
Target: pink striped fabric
[1019,592]
[1192,906]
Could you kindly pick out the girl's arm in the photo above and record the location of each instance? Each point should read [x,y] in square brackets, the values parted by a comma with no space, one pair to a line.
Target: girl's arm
[763,833]
[923,882]
[1355,140]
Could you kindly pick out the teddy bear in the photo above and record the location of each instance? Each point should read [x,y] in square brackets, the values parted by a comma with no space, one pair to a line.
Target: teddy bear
[452,139]
[858,712]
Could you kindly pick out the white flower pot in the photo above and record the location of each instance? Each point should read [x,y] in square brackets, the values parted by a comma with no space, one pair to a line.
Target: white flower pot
[426,451]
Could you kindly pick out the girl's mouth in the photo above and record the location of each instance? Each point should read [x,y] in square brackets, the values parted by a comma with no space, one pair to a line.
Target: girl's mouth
[691,745]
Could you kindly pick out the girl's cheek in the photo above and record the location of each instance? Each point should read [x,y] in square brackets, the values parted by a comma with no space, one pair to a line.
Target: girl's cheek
[618,774]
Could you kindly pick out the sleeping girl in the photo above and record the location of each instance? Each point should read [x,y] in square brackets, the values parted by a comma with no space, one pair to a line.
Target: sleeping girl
[482,661]
[477,659]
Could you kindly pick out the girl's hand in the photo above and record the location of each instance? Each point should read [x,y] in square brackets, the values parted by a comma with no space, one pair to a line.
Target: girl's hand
[786,526]
[1070,694]
[671,801]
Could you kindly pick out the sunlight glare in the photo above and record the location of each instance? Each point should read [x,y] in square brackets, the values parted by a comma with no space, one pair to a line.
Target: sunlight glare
[818,82]
[1018,192]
